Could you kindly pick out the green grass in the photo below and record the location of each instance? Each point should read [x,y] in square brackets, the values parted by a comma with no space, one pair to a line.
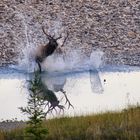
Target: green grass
[124,125]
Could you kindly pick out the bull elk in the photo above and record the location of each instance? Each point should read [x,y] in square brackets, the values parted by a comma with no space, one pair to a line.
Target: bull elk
[48,49]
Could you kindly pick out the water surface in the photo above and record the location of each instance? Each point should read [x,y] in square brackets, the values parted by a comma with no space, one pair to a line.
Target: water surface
[88,91]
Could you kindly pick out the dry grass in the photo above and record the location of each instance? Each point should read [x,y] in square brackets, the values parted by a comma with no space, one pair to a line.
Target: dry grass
[107,126]
[124,125]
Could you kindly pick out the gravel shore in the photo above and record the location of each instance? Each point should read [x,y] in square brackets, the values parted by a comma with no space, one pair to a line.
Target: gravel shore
[7,126]
[112,26]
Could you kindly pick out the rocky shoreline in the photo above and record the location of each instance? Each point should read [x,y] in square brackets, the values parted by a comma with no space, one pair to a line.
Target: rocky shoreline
[11,125]
[110,26]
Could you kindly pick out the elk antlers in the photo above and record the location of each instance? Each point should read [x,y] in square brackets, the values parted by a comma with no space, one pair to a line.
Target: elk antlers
[65,39]
[67,100]
[49,36]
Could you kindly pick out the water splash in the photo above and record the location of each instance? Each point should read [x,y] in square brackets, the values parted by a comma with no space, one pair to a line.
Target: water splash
[76,61]
[96,59]
[25,61]
[73,60]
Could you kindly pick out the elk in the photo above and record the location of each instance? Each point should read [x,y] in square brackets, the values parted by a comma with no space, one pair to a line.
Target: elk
[48,49]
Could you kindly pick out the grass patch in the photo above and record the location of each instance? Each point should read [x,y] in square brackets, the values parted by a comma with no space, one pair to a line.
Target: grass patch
[124,125]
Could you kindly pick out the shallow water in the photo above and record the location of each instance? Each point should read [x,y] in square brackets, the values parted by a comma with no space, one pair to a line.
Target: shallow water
[111,88]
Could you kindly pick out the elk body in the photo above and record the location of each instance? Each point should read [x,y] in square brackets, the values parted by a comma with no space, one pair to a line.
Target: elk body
[46,50]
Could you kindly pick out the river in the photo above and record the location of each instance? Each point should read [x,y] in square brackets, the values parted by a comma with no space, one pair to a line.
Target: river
[109,88]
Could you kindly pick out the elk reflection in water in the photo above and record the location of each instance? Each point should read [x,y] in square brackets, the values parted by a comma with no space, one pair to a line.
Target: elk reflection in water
[52,102]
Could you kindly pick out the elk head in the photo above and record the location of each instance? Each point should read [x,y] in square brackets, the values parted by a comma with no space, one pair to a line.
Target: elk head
[52,45]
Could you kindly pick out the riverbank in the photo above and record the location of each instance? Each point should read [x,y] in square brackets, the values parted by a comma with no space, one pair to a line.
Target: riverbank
[123,125]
